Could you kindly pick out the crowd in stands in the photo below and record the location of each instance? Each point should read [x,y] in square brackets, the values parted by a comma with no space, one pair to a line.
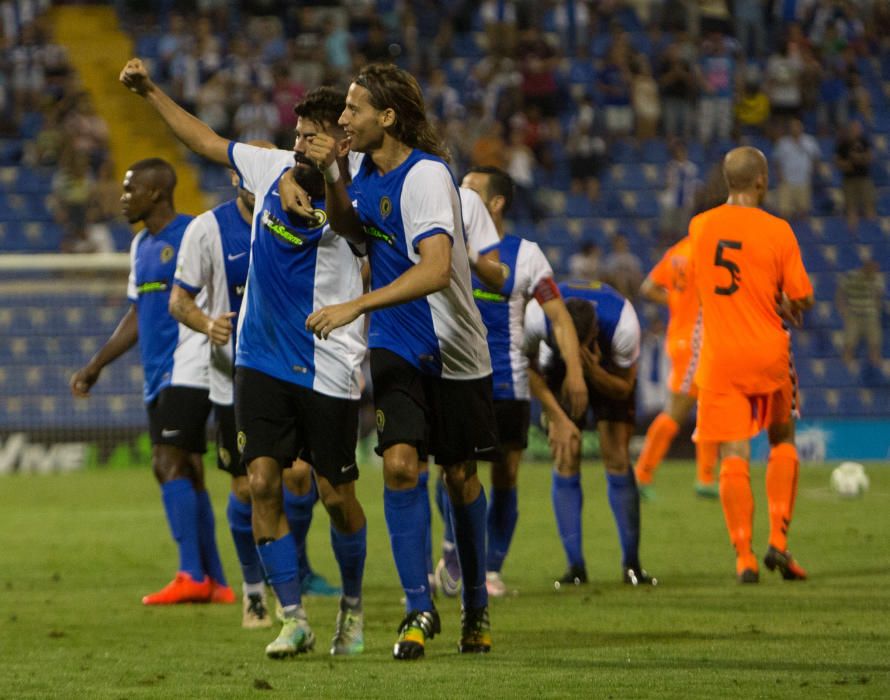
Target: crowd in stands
[556,93]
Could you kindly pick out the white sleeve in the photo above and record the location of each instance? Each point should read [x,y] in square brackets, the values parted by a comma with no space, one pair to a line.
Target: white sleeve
[194,261]
[626,340]
[429,202]
[534,329]
[480,229]
[535,267]
[258,167]
[132,292]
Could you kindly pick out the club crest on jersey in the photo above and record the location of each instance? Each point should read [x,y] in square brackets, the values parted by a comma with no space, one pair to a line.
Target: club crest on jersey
[242,441]
[385,206]
[224,457]
[320,216]
[167,253]
[381,420]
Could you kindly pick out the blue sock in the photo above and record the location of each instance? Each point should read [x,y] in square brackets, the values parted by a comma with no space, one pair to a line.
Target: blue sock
[239,515]
[298,511]
[422,481]
[207,539]
[181,507]
[567,503]
[624,498]
[444,504]
[503,512]
[279,559]
[407,523]
[350,552]
[469,532]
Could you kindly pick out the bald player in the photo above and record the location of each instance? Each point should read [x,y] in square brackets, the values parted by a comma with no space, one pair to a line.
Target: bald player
[747,269]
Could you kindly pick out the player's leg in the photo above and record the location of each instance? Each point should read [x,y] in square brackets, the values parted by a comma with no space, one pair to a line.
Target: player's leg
[568,501]
[401,432]
[333,429]
[660,436]
[174,418]
[300,495]
[782,471]
[705,466]
[220,592]
[265,411]
[463,426]
[447,574]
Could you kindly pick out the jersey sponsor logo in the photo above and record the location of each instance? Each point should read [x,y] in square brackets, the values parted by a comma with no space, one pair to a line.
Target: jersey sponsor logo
[241,441]
[381,420]
[482,295]
[167,253]
[149,287]
[375,232]
[236,256]
[225,457]
[385,206]
[239,290]
[281,230]
[167,433]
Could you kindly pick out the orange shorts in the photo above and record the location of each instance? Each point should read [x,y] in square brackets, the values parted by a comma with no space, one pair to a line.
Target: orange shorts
[730,416]
[681,380]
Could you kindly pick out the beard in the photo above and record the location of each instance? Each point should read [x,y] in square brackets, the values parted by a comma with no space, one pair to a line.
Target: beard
[308,176]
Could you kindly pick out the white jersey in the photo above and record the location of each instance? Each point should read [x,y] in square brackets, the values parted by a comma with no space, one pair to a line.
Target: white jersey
[296,267]
[503,313]
[214,257]
[479,228]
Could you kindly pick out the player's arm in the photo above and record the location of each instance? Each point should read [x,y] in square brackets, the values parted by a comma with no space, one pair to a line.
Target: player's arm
[432,273]
[184,309]
[122,339]
[574,388]
[653,291]
[194,133]
[563,435]
[615,382]
[487,267]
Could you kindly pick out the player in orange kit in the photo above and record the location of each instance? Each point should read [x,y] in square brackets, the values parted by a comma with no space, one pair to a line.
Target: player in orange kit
[668,284]
[747,269]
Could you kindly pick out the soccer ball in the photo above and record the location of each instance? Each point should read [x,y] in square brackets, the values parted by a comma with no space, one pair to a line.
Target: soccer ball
[849,480]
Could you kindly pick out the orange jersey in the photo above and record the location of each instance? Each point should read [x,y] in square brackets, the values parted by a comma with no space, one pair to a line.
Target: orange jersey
[742,259]
[672,273]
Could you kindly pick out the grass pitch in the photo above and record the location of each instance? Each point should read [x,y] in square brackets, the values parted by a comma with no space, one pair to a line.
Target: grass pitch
[78,551]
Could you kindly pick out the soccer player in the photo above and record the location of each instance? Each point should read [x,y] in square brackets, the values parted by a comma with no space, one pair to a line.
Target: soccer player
[668,284]
[609,339]
[174,361]
[748,272]
[429,360]
[529,277]
[294,396]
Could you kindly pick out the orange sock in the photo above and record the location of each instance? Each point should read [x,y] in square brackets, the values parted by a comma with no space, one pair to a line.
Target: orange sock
[738,509]
[658,439]
[705,461]
[781,489]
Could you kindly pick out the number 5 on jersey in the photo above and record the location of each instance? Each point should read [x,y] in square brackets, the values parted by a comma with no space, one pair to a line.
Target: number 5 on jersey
[734,271]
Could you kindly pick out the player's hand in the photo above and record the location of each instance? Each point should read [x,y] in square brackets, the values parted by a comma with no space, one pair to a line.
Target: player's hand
[590,362]
[574,393]
[325,320]
[219,329]
[565,441]
[82,381]
[134,76]
[293,197]
[323,150]
[788,311]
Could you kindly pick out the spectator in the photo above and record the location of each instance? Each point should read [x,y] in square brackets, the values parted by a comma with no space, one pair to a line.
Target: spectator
[490,148]
[442,99]
[256,120]
[586,151]
[286,92]
[716,76]
[676,81]
[750,27]
[585,264]
[614,86]
[795,158]
[783,85]
[655,366]
[376,48]
[70,197]
[752,108]
[521,168]
[678,197]
[853,155]
[645,100]
[833,104]
[860,295]
[499,19]
[622,269]
[337,45]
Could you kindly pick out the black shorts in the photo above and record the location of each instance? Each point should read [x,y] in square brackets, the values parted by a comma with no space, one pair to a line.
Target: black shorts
[600,408]
[513,419]
[284,421]
[450,419]
[177,416]
[227,457]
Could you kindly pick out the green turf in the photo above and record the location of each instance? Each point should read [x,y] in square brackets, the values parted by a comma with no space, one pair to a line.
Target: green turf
[78,551]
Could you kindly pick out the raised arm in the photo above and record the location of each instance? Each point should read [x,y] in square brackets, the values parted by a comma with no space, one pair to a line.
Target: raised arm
[194,133]
[122,339]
